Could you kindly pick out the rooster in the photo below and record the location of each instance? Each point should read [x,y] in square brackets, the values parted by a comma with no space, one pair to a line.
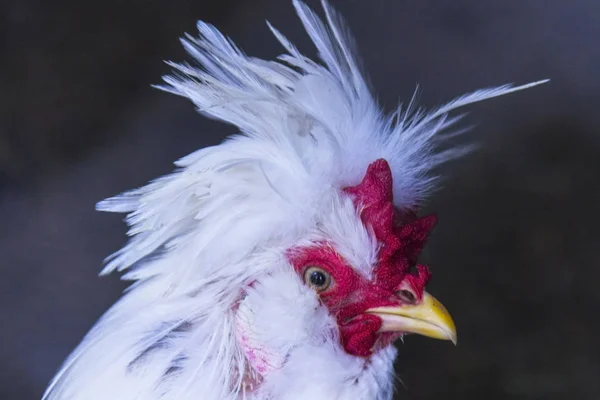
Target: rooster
[283,263]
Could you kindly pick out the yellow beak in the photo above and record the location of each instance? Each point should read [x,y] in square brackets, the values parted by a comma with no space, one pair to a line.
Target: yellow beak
[428,318]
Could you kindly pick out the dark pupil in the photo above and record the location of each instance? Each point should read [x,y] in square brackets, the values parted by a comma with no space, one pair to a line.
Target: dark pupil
[318,278]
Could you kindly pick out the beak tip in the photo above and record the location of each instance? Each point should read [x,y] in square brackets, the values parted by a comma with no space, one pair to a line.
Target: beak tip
[452,335]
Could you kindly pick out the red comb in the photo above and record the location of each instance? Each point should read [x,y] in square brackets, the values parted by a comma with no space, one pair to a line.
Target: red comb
[401,235]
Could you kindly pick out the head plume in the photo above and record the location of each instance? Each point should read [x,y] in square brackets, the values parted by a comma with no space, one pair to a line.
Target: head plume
[306,131]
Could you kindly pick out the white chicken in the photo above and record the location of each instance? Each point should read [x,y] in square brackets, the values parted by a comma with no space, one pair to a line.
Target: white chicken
[282,263]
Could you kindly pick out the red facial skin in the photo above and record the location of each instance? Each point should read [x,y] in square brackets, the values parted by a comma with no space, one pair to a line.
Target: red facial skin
[401,238]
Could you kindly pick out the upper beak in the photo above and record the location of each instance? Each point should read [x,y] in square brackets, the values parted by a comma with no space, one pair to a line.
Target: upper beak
[428,318]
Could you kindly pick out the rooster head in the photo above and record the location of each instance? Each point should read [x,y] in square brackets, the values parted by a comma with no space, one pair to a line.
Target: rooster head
[390,300]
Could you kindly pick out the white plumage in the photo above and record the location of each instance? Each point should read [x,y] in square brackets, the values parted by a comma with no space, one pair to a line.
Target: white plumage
[208,242]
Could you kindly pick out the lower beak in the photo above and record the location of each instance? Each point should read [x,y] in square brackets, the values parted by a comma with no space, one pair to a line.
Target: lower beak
[428,318]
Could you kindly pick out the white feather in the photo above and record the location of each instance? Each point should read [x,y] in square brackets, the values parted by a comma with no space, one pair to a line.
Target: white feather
[225,218]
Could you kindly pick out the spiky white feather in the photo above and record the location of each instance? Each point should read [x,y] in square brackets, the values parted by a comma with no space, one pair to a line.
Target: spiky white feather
[229,212]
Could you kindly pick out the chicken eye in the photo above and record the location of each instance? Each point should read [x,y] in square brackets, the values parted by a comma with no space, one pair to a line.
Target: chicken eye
[317,278]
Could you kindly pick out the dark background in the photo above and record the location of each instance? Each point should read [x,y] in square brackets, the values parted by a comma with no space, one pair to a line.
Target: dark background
[515,256]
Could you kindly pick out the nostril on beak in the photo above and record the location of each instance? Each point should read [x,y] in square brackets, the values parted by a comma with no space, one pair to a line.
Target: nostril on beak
[407,296]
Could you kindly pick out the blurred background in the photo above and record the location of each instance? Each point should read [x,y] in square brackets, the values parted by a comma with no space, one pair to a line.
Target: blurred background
[516,255]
